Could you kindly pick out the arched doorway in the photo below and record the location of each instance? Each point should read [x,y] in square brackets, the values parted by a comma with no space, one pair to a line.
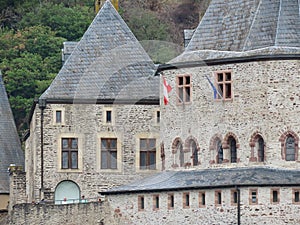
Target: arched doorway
[67,192]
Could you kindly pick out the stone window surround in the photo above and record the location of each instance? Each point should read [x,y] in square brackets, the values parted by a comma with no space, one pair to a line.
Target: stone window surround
[137,152]
[217,194]
[80,152]
[250,196]
[141,203]
[156,202]
[294,190]
[55,109]
[104,119]
[183,101]
[186,200]
[254,154]
[188,149]
[155,116]
[271,195]
[217,83]
[201,196]
[283,138]
[119,152]
[170,196]
[232,197]
[176,154]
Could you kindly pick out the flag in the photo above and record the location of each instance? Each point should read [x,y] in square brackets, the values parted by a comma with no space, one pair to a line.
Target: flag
[167,89]
[213,87]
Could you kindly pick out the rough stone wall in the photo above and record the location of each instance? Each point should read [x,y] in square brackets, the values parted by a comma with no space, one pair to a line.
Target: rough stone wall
[86,121]
[285,212]
[265,100]
[17,187]
[72,214]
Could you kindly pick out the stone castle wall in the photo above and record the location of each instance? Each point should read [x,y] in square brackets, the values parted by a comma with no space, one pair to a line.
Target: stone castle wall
[126,209]
[87,122]
[265,101]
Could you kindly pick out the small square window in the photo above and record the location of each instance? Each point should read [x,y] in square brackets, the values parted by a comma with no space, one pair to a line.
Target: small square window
[58,116]
[296,196]
[253,196]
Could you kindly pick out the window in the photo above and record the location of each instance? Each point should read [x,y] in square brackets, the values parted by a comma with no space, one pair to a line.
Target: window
[194,150]
[224,84]
[108,116]
[108,153]
[253,196]
[141,203]
[296,196]
[260,149]
[274,196]
[186,200]
[171,201]
[155,202]
[184,88]
[58,116]
[234,197]
[218,198]
[233,153]
[157,116]
[290,149]
[201,199]
[181,154]
[69,153]
[148,153]
[220,156]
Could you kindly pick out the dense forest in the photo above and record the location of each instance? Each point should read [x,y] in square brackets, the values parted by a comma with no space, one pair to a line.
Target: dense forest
[32,33]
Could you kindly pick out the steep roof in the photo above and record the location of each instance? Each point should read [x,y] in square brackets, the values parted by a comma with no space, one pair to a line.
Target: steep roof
[10,146]
[247,27]
[211,178]
[108,63]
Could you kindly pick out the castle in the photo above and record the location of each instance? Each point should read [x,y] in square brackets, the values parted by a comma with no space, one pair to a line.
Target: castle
[223,150]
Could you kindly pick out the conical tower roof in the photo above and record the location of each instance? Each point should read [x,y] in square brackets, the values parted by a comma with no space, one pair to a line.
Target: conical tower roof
[10,146]
[247,27]
[107,64]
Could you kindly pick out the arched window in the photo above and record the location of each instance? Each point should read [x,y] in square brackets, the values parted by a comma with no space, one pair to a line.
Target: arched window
[194,151]
[290,149]
[260,146]
[220,157]
[181,154]
[232,147]
[67,192]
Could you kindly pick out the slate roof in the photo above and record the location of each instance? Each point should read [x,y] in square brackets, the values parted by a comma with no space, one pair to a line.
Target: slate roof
[248,27]
[107,63]
[211,178]
[10,146]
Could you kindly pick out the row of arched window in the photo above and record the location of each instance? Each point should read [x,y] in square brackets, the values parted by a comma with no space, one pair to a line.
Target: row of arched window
[225,150]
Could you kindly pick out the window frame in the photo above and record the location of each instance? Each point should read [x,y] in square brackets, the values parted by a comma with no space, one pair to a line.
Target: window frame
[221,85]
[272,191]
[202,199]
[294,191]
[234,197]
[156,202]
[171,201]
[251,191]
[54,117]
[218,198]
[109,150]
[141,203]
[185,85]
[186,200]
[107,109]
[69,150]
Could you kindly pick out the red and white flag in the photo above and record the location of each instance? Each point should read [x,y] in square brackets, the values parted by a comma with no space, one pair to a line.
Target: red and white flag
[167,89]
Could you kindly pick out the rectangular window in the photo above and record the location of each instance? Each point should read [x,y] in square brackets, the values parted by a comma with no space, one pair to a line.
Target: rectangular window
[201,199]
[296,196]
[155,202]
[69,153]
[108,116]
[141,203]
[274,196]
[234,197]
[183,88]
[157,116]
[170,201]
[58,115]
[253,196]
[108,153]
[186,200]
[148,153]
[218,198]
[224,84]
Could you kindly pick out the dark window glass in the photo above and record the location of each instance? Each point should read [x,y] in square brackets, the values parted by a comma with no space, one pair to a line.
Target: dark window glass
[275,196]
[187,200]
[224,84]
[157,202]
[253,197]
[261,149]
[148,153]
[232,144]
[184,88]
[290,149]
[108,153]
[157,116]
[172,201]
[108,116]
[219,198]
[203,199]
[195,153]
[234,196]
[58,116]
[220,152]
[142,203]
[181,154]
[69,153]
[297,199]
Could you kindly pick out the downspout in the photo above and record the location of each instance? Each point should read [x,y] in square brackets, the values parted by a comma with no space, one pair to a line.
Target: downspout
[238,205]
[42,106]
